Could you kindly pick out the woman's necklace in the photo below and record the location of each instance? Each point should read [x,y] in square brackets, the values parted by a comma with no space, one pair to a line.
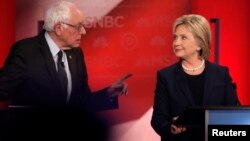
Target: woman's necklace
[194,69]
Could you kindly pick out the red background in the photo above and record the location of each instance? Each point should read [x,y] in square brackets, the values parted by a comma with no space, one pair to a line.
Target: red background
[142,44]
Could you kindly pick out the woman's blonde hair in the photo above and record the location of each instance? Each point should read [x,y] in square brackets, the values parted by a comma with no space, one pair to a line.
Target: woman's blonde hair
[200,28]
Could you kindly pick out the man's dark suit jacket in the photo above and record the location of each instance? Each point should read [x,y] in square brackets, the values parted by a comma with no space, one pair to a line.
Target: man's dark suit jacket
[29,78]
[173,96]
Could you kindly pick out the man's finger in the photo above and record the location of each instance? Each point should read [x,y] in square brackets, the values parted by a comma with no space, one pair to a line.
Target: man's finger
[123,78]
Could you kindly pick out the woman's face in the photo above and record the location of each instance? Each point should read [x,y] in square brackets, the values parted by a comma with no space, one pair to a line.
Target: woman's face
[184,43]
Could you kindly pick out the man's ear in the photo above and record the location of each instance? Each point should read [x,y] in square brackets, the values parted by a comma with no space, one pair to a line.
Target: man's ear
[58,29]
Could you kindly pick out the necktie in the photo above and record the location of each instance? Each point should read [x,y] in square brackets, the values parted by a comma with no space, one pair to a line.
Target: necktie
[62,74]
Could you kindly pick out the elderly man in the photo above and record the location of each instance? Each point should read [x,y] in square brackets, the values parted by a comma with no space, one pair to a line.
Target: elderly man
[48,70]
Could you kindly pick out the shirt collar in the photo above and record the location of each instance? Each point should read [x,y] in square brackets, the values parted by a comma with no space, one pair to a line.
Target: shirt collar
[54,49]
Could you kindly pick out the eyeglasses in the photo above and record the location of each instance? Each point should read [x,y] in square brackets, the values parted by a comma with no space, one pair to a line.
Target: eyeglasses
[78,27]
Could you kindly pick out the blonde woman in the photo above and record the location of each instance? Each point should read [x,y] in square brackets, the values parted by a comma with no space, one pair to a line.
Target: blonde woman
[192,81]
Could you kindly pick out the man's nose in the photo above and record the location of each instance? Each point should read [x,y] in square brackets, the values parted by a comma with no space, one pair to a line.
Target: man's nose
[82,30]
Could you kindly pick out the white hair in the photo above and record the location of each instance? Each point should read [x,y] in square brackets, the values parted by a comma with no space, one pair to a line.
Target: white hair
[56,13]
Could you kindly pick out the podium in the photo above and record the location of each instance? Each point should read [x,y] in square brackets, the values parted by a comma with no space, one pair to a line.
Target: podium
[29,124]
[227,122]
[214,123]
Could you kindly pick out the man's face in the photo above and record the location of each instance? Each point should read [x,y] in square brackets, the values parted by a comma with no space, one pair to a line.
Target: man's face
[73,30]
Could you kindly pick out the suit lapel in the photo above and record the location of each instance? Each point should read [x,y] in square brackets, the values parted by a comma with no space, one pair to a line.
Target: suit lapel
[182,84]
[208,82]
[47,56]
[71,57]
